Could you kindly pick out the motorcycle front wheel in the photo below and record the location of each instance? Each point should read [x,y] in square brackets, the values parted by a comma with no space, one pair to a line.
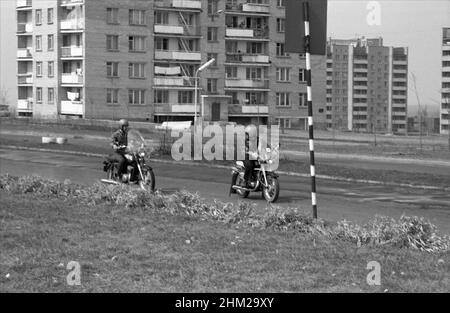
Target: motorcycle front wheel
[271,192]
[149,180]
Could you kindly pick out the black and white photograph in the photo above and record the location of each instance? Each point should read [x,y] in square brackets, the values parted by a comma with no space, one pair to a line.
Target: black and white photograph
[221,153]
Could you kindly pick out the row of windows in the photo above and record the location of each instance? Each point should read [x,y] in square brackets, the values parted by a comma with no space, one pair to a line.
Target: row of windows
[39,16]
[50,43]
[135,17]
[50,95]
[135,70]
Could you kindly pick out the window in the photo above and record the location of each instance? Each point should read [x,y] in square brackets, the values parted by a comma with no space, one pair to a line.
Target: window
[39,69]
[161,44]
[112,42]
[136,70]
[50,16]
[50,42]
[231,72]
[112,96]
[283,99]
[281,3]
[136,43]
[281,50]
[51,95]
[210,56]
[39,95]
[161,96]
[39,17]
[112,69]
[212,33]
[137,17]
[280,25]
[283,122]
[212,85]
[186,97]
[303,99]
[112,15]
[161,18]
[136,96]
[254,73]
[51,69]
[283,74]
[302,75]
[212,7]
[39,43]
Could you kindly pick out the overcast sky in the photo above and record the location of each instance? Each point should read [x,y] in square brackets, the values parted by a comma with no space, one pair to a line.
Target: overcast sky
[416,24]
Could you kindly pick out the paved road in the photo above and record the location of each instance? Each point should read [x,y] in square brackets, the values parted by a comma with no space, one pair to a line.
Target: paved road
[337,200]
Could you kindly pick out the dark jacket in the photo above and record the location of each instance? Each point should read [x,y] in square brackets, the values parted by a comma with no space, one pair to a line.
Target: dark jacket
[119,138]
[247,147]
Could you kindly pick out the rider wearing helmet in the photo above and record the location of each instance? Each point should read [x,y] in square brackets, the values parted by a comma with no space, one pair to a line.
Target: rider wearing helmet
[119,143]
[250,163]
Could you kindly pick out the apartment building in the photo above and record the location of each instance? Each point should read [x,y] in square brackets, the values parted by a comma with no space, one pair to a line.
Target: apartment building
[445,91]
[139,59]
[367,86]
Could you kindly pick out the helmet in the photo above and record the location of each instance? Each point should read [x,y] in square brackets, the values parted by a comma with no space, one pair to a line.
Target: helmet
[251,131]
[123,122]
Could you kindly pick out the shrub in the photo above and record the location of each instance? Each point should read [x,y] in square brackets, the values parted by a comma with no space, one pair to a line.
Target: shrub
[407,232]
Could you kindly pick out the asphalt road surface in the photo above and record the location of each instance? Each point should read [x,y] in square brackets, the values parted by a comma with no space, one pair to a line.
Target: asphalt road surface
[336,200]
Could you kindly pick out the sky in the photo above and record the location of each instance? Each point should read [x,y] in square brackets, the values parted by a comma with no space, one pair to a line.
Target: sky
[416,24]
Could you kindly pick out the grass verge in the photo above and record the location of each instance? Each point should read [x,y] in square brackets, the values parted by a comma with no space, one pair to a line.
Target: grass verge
[127,240]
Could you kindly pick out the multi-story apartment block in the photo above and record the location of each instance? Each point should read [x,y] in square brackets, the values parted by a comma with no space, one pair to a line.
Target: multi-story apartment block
[367,86]
[139,58]
[445,91]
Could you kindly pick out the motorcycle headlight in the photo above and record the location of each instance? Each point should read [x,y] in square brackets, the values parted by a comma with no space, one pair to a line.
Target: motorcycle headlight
[129,157]
[142,154]
[270,161]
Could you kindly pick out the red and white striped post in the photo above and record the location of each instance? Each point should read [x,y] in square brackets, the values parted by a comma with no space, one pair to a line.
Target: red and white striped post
[310,107]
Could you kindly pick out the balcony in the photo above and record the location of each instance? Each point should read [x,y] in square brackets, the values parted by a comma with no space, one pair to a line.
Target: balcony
[72,25]
[233,57]
[24,4]
[168,29]
[178,55]
[72,107]
[180,30]
[24,53]
[255,8]
[176,81]
[71,2]
[246,83]
[24,28]
[187,4]
[71,79]
[72,51]
[237,109]
[25,105]
[240,32]
[25,79]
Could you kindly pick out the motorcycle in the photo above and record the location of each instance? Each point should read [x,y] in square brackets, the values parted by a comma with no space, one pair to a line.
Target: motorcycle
[264,179]
[138,171]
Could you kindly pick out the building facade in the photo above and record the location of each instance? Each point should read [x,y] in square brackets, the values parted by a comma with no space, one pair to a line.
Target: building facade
[367,86]
[138,59]
[445,90]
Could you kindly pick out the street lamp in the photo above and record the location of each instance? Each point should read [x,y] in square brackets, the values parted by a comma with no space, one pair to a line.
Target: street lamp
[201,68]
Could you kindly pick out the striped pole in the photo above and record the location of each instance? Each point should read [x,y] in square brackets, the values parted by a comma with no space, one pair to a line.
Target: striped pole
[310,107]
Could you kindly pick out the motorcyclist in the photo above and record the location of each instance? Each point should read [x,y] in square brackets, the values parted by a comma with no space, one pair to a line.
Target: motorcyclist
[250,161]
[119,144]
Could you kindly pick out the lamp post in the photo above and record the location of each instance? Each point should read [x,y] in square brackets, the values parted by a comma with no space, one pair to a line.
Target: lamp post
[201,68]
